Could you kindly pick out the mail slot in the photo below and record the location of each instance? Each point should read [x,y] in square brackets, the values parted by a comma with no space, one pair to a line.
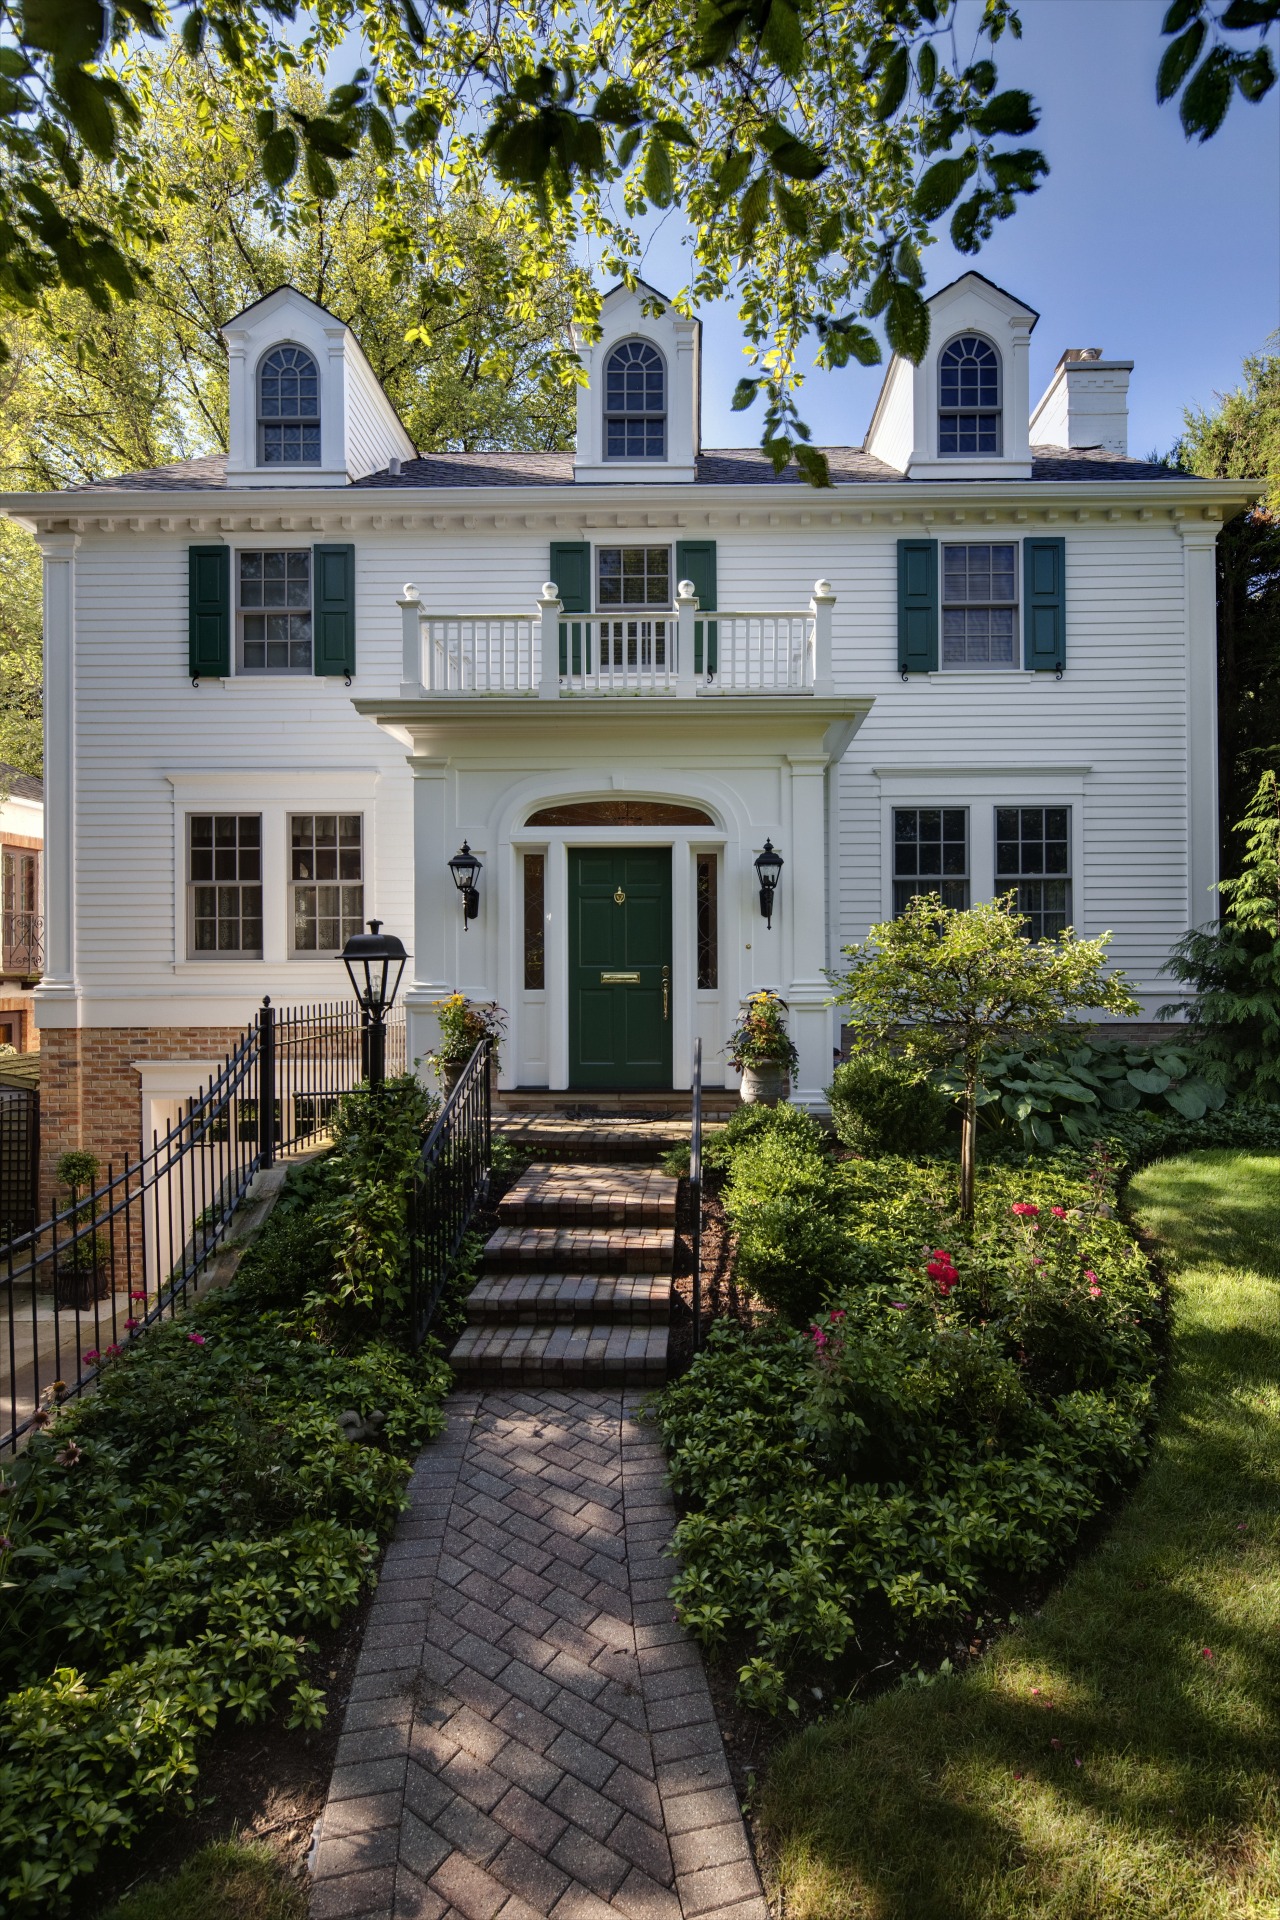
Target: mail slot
[619,979]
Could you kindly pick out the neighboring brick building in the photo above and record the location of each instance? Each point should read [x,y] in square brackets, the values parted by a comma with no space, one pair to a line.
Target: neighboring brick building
[21,915]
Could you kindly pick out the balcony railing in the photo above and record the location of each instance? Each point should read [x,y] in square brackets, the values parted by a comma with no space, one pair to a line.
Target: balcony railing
[22,944]
[552,655]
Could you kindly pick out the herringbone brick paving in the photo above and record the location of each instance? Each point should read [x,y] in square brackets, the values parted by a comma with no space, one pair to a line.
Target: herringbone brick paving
[530,1732]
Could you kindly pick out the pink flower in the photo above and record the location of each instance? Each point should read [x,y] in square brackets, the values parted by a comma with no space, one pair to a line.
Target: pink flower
[1095,1293]
[1206,1653]
[839,1314]
[900,1306]
[131,1323]
[90,1355]
[138,1293]
[819,1337]
[1090,1275]
[196,1339]
[113,1350]
[1023,1208]
[1059,1213]
[940,1253]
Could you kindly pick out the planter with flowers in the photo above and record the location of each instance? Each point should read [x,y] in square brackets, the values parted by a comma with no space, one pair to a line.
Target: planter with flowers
[762,1050]
[463,1025]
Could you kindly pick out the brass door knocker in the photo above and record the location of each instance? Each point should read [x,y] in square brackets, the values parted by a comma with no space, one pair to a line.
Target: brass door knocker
[666,993]
[619,897]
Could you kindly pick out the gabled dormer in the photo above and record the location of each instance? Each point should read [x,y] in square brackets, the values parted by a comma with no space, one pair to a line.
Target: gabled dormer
[306,406]
[638,414]
[962,413]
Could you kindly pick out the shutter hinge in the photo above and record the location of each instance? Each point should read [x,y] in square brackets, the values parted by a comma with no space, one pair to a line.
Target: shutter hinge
[1058,671]
[195,679]
[348,677]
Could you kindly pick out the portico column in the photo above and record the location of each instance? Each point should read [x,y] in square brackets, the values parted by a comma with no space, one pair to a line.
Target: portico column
[430,915]
[805,905]
[59,980]
[1200,577]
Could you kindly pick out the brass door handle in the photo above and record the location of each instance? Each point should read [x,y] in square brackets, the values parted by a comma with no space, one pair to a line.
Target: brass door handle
[666,993]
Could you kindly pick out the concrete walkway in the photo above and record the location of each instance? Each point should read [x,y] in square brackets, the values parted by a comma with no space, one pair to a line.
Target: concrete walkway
[530,1733]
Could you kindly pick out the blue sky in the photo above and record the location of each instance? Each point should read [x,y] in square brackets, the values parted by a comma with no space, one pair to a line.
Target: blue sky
[1157,251]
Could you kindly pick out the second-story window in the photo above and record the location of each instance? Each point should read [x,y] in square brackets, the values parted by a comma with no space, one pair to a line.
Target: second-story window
[979,606]
[969,396]
[326,856]
[274,610]
[631,578]
[635,403]
[288,409]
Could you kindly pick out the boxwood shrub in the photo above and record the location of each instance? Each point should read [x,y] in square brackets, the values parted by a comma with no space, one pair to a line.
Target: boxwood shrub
[957,1410]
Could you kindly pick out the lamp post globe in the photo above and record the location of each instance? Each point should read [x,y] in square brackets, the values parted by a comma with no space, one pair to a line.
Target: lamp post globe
[374,962]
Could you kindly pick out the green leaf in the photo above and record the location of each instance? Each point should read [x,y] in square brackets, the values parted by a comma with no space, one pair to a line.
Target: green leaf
[280,158]
[1256,76]
[755,205]
[1171,1063]
[927,68]
[73,31]
[943,183]
[618,103]
[797,160]
[744,394]
[1207,96]
[845,340]
[193,33]
[421,127]
[1241,15]
[783,39]
[321,178]
[1187,1102]
[327,137]
[879,293]
[893,84]
[812,463]
[795,215]
[906,323]
[675,130]
[1010,112]
[657,178]
[1148,1082]
[730,172]
[1178,60]
[1178,15]
[89,111]
[625,151]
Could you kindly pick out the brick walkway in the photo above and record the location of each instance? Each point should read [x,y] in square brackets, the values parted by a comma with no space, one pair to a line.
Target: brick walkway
[530,1733]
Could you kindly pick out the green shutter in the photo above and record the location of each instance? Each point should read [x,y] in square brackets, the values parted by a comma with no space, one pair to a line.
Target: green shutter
[1044,618]
[209,612]
[696,561]
[333,614]
[570,569]
[917,606]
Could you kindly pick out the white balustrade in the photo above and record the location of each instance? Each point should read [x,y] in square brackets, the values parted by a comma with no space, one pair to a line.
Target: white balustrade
[555,654]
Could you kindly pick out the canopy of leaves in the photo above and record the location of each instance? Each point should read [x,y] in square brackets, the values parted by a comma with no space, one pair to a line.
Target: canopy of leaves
[1213,53]
[811,148]
[939,981]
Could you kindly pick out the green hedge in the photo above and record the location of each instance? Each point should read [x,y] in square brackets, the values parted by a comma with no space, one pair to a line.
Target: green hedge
[175,1539]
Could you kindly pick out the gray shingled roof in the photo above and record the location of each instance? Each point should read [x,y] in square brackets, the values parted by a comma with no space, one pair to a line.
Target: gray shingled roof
[25,785]
[718,466]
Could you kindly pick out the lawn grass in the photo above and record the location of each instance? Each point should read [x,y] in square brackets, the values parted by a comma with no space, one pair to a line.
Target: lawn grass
[1118,1756]
[228,1881]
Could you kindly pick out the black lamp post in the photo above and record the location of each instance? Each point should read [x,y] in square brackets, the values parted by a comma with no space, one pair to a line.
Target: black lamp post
[769,864]
[465,869]
[375,962]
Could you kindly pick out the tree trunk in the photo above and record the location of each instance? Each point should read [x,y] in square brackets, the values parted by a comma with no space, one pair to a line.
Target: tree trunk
[968,1151]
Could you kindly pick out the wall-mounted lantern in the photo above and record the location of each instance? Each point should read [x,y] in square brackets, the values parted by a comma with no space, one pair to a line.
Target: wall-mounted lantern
[374,961]
[465,869]
[769,864]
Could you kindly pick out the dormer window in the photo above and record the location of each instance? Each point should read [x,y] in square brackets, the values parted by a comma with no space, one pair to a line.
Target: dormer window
[635,403]
[969,396]
[288,409]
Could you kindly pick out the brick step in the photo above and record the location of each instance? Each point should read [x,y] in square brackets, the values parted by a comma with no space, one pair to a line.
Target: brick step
[581,1249]
[583,1354]
[587,1195]
[599,1138]
[526,1298]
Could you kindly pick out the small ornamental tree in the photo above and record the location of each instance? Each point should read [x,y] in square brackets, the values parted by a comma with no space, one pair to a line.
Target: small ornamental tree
[944,984]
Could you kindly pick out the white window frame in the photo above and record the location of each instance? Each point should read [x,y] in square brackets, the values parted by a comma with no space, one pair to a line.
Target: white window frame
[219,956]
[312,813]
[260,421]
[238,554]
[607,413]
[974,333]
[1015,606]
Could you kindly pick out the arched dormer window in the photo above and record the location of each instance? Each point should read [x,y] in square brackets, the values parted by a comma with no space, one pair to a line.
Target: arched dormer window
[288,409]
[969,396]
[635,403]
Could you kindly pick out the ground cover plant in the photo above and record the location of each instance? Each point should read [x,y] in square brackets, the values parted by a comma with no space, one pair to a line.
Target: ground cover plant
[228,1881]
[173,1542]
[1115,1755]
[930,1417]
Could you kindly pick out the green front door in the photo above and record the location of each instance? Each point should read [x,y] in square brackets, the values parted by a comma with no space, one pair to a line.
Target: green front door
[620,967]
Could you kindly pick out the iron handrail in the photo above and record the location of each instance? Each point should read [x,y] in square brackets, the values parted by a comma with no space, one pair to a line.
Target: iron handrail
[695,1189]
[450,1181]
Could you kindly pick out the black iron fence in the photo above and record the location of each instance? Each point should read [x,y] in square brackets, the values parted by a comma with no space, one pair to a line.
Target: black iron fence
[451,1181]
[126,1245]
[19,1159]
[695,1188]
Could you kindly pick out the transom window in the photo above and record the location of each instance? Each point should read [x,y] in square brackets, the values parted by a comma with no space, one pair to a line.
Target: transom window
[275,611]
[979,606]
[969,396]
[633,577]
[635,403]
[326,854]
[930,855]
[225,883]
[1033,857]
[288,408]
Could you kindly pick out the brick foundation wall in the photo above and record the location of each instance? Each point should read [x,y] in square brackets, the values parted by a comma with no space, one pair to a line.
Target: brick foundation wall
[91,1093]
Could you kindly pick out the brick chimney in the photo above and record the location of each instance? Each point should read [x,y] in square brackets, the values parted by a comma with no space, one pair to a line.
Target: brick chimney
[1086,403]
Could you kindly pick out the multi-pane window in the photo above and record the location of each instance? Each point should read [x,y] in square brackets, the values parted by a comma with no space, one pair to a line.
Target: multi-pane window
[288,408]
[224,866]
[930,855]
[708,921]
[1033,857]
[633,577]
[535,890]
[979,606]
[274,590]
[326,855]
[635,406]
[969,396]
